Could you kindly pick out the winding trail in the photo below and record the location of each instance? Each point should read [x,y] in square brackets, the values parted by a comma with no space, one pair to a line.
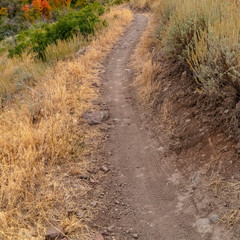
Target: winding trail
[143,198]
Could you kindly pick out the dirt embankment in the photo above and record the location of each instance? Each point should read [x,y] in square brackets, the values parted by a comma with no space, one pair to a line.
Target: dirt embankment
[201,131]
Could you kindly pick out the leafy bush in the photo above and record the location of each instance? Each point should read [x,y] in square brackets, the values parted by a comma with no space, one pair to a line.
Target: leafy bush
[36,40]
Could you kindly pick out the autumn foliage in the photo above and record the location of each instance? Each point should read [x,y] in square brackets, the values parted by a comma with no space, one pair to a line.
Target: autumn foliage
[43,8]
[3,11]
[36,9]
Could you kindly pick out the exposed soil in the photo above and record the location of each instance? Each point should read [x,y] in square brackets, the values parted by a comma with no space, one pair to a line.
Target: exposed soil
[201,147]
[197,126]
[142,194]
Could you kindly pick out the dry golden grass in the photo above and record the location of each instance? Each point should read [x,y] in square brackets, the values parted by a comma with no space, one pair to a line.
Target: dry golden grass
[17,73]
[146,70]
[64,49]
[42,142]
[20,73]
[204,33]
[215,56]
[228,189]
[144,66]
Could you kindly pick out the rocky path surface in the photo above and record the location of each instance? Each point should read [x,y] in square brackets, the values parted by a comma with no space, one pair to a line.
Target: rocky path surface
[144,196]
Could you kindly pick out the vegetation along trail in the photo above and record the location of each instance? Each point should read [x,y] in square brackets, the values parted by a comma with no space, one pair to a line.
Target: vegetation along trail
[141,175]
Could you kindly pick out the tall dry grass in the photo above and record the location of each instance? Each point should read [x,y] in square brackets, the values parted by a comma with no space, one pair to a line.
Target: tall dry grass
[144,66]
[215,55]
[42,141]
[19,73]
[64,49]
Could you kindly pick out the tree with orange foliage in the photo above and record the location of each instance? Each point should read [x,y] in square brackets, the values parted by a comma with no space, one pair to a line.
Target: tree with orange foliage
[26,10]
[46,9]
[37,8]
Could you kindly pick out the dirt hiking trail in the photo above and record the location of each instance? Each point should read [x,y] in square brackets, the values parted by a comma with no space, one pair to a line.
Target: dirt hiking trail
[144,196]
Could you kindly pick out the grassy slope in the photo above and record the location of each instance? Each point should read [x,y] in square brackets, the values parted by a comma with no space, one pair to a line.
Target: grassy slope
[42,142]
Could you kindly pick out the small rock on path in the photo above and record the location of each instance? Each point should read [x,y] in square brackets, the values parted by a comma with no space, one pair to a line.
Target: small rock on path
[95,118]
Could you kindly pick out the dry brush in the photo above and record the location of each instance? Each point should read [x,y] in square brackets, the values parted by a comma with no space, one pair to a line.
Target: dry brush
[42,142]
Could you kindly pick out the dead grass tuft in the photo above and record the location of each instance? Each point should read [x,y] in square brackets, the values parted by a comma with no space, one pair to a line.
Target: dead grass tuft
[231,217]
[224,188]
[227,190]
[42,141]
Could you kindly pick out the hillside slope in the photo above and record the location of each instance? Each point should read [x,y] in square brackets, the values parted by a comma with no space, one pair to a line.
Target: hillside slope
[44,144]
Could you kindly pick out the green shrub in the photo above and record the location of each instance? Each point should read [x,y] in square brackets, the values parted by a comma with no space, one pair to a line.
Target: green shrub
[37,40]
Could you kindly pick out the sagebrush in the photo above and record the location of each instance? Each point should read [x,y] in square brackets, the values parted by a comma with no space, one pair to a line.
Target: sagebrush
[205,34]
